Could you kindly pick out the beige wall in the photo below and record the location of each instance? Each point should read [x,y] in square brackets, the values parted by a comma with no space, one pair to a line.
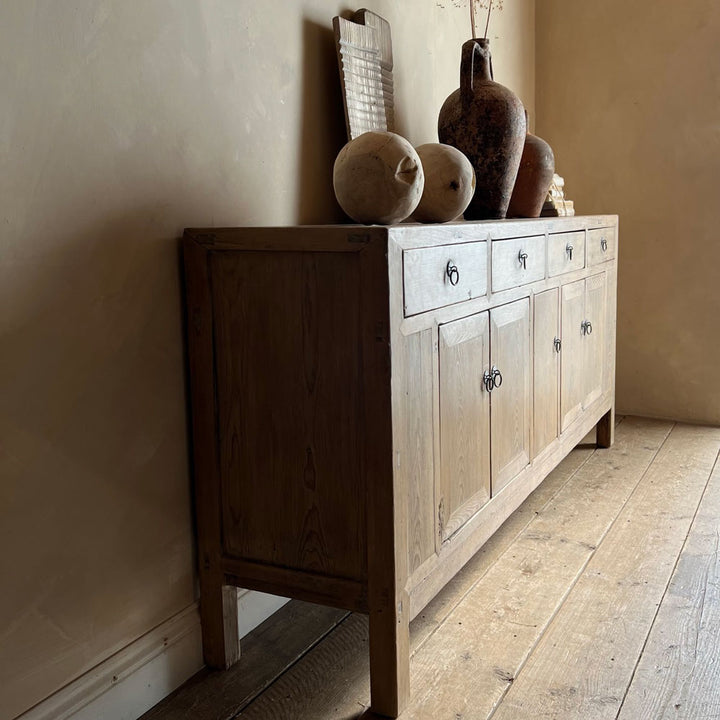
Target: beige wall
[627,95]
[120,124]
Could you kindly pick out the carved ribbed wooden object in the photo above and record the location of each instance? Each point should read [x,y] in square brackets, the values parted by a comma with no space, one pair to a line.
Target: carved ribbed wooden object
[364,48]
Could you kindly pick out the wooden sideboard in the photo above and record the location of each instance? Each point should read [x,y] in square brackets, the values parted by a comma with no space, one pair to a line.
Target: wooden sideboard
[369,404]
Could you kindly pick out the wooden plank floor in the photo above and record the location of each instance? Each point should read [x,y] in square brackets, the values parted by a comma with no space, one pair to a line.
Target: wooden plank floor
[598,598]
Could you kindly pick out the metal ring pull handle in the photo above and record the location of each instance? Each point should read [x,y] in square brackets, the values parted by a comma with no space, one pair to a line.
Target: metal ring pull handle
[603,244]
[522,257]
[558,344]
[569,250]
[489,382]
[586,327]
[496,377]
[452,272]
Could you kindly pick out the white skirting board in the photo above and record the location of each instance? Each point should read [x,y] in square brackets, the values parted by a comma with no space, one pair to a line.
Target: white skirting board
[129,683]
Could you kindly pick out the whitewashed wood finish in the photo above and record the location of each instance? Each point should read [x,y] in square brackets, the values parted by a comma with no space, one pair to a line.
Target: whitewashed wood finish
[572,374]
[559,260]
[546,369]
[464,421]
[594,342]
[597,251]
[508,269]
[510,403]
[414,456]
[427,283]
[365,62]
[584,662]
[678,676]
[438,570]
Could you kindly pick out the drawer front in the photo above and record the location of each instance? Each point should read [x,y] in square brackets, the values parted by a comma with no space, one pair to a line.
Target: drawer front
[517,261]
[566,252]
[438,276]
[601,245]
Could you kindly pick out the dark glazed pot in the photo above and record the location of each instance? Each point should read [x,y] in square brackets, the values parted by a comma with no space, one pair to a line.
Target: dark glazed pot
[486,121]
[534,178]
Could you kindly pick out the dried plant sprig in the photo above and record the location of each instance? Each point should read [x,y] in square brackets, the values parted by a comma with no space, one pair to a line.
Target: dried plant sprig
[488,5]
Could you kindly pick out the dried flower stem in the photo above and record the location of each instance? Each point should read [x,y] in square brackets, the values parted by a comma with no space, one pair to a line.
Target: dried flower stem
[487,24]
[472,17]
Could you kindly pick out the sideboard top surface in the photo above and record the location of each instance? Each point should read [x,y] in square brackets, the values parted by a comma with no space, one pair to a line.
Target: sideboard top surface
[329,238]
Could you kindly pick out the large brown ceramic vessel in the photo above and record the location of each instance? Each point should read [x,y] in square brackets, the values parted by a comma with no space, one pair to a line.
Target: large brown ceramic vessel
[534,177]
[486,121]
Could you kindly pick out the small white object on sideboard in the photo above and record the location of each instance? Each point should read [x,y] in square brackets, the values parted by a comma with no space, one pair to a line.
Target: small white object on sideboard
[371,403]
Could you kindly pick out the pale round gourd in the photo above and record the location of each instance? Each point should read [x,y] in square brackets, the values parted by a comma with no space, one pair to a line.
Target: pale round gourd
[378,178]
[449,183]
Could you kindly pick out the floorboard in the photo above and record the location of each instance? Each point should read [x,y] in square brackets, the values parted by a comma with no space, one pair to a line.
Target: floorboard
[678,675]
[584,663]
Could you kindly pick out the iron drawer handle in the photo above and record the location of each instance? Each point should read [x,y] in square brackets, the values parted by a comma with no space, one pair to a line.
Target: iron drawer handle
[558,344]
[569,250]
[497,377]
[586,327]
[489,382]
[453,273]
[522,257]
[603,244]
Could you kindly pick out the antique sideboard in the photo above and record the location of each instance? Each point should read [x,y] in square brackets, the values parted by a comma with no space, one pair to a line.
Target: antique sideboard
[369,404]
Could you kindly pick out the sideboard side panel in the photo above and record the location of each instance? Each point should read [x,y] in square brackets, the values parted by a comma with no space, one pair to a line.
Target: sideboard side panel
[289,403]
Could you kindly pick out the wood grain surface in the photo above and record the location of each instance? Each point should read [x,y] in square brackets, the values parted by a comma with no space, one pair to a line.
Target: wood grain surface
[364,50]
[546,369]
[509,270]
[678,675]
[510,404]
[464,421]
[559,257]
[581,669]
[426,280]
[292,486]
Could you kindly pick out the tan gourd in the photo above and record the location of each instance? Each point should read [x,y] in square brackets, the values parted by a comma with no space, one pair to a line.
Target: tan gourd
[378,178]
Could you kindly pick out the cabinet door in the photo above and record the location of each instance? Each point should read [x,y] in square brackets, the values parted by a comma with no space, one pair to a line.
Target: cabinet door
[546,368]
[593,340]
[464,355]
[572,376]
[510,403]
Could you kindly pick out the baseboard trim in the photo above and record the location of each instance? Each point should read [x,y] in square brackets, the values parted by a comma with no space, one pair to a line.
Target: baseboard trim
[133,680]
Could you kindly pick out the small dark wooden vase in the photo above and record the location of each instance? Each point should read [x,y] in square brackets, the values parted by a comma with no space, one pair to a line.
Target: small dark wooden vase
[486,121]
[534,178]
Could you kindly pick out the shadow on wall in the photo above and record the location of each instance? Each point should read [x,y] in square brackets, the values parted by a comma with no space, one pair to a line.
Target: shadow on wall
[323,131]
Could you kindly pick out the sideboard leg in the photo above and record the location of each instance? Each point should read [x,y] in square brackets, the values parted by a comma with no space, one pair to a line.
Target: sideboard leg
[606,429]
[219,621]
[389,660]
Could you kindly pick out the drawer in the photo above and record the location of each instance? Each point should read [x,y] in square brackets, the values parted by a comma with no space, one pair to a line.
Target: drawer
[601,245]
[517,261]
[437,276]
[566,252]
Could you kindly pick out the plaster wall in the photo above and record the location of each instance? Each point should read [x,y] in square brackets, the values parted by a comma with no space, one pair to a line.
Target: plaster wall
[628,95]
[120,124]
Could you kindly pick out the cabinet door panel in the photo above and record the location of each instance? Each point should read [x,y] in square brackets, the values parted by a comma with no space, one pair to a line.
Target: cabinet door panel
[572,377]
[510,403]
[593,343]
[464,421]
[546,369]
